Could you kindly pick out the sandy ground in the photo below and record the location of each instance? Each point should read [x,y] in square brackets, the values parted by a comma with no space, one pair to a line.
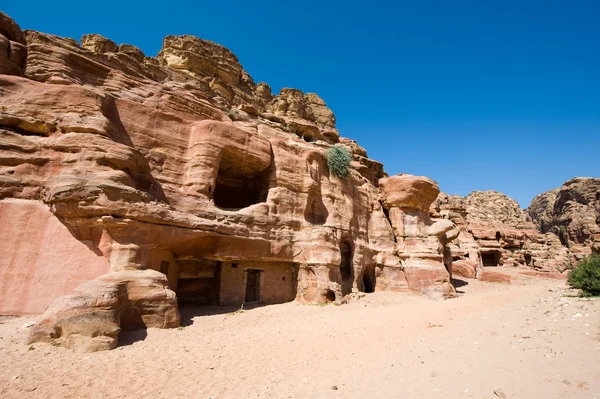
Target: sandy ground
[525,340]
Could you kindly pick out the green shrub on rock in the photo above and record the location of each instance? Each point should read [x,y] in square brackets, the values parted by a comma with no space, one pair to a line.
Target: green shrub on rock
[338,161]
[586,276]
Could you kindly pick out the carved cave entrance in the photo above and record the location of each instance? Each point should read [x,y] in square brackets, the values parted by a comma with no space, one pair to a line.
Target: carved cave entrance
[369,279]
[491,258]
[199,282]
[346,266]
[236,188]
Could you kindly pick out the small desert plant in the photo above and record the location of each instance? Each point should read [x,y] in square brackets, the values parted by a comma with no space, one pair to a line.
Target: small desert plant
[586,276]
[338,161]
[233,114]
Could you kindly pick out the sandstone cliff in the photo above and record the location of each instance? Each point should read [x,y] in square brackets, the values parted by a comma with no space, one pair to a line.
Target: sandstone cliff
[134,183]
[572,212]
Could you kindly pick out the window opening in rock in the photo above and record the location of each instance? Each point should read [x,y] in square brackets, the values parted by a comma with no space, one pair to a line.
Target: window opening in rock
[235,189]
[309,138]
[234,265]
[330,296]
[164,268]
[346,264]
[491,258]
[528,259]
[252,285]
[316,212]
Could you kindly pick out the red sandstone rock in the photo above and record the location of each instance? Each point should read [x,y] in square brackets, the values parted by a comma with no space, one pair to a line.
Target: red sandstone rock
[407,191]
[464,268]
[494,277]
[91,319]
[181,164]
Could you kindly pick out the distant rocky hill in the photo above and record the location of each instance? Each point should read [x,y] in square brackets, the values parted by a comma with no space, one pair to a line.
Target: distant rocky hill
[572,212]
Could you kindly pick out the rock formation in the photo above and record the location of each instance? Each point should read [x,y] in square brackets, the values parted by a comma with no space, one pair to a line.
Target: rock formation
[571,212]
[495,231]
[130,183]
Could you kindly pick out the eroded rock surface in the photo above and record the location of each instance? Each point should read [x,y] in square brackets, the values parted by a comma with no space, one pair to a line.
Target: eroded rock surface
[181,164]
[572,212]
[496,232]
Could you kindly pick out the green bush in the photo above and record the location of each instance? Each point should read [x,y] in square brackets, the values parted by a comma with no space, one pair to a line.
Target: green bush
[338,161]
[586,276]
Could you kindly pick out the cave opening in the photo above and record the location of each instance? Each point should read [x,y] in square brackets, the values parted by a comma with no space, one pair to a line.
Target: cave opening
[498,236]
[236,189]
[491,258]
[528,259]
[346,263]
[369,280]
[330,296]
[198,282]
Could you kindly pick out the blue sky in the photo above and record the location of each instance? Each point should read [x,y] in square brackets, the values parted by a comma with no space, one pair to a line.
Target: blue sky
[478,95]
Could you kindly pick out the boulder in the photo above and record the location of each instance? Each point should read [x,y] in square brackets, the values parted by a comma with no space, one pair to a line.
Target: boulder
[464,268]
[90,319]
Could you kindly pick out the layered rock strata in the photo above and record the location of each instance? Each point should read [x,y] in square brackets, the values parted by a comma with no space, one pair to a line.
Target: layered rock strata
[181,180]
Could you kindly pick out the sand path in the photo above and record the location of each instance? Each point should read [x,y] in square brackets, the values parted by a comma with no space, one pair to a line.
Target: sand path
[525,341]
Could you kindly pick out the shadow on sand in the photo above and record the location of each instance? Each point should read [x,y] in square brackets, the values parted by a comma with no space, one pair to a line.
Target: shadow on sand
[189,311]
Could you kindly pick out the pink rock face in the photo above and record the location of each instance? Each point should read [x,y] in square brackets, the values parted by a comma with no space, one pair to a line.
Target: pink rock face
[421,241]
[41,259]
[464,268]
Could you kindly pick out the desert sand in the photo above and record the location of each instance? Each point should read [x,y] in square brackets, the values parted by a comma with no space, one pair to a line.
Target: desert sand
[530,339]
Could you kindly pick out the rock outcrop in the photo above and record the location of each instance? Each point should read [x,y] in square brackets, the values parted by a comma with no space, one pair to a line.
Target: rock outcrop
[420,239]
[571,212]
[178,177]
[90,319]
[495,231]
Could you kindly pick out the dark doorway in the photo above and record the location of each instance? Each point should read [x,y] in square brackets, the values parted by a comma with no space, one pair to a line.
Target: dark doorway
[164,267]
[528,259]
[199,282]
[252,285]
[346,263]
[491,258]
[369,279]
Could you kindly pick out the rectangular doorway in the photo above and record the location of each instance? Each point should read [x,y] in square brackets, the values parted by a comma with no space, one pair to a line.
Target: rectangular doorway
[252,285]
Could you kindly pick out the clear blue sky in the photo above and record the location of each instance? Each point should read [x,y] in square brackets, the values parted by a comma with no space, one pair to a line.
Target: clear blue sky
[478,95]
